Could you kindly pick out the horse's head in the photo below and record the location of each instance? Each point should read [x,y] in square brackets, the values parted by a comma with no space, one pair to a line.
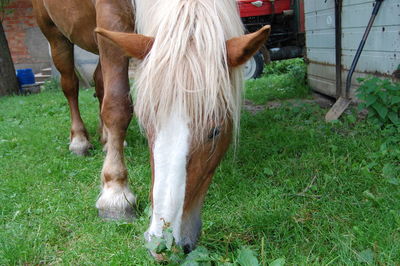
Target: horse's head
[189,125]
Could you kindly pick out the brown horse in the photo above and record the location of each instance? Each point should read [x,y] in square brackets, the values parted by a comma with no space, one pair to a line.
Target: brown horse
[188,89]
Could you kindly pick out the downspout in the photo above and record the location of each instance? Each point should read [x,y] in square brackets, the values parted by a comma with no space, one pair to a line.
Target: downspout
[338,46]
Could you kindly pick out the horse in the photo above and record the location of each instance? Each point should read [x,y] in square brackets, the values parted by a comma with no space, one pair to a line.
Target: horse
[188,86]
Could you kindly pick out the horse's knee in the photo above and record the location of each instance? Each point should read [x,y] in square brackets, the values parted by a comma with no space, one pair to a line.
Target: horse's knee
[70,86]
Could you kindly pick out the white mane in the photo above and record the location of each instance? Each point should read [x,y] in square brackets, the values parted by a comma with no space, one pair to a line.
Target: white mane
[186,70]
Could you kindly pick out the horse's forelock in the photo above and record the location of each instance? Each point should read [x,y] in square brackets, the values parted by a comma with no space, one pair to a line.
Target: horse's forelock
[186,71]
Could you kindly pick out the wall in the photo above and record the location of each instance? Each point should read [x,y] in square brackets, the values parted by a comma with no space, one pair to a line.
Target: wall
[28,46]
[381,55]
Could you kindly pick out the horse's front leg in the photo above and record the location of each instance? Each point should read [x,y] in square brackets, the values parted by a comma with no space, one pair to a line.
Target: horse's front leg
[116,201]
[99,85]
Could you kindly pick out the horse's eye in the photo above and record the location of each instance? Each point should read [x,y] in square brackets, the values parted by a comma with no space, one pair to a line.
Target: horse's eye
[214,133]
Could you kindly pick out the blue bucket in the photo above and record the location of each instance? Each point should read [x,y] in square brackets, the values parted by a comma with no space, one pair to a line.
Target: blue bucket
[25,76]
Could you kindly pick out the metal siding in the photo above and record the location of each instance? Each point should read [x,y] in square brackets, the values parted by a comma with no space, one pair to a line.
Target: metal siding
[381,54]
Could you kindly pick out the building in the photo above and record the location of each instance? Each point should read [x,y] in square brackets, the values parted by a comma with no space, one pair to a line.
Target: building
[381,54]
[30,49]
[28,46]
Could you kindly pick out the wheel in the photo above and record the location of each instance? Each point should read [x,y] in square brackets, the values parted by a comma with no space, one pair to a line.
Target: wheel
[254,67]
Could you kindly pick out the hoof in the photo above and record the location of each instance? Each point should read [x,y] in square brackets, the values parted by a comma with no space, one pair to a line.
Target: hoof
[117,215]
[80,146]
[116,204]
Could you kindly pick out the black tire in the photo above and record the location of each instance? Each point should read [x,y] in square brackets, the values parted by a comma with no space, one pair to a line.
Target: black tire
[254,67]
[267,56]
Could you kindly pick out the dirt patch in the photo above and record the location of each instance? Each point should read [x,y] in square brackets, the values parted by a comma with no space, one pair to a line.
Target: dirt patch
[253,108]
[321,100]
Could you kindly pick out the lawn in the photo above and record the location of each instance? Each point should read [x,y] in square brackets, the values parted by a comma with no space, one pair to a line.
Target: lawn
[295,188]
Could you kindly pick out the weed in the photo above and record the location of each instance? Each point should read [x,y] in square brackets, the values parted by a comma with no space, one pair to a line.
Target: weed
[381,98]
[174,255]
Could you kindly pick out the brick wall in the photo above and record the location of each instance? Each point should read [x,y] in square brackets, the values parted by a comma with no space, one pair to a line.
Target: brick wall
[27,44]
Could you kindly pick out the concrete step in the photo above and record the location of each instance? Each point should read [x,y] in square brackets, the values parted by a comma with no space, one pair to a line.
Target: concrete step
[40,77]
[30,88]
[46,71]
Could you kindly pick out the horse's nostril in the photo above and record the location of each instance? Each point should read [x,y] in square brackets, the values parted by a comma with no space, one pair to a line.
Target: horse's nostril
[187,248]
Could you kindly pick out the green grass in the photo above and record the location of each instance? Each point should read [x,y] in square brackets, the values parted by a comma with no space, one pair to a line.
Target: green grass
[349,212]
[281,80]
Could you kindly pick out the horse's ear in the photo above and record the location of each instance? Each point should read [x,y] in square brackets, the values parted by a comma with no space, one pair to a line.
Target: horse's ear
[242,48]
[134,45]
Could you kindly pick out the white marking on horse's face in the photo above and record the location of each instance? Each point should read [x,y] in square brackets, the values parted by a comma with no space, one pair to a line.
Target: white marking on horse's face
[170,151]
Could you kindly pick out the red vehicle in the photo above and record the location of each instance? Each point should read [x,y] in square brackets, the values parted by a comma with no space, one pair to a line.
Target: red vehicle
[287,37]
[253,8]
